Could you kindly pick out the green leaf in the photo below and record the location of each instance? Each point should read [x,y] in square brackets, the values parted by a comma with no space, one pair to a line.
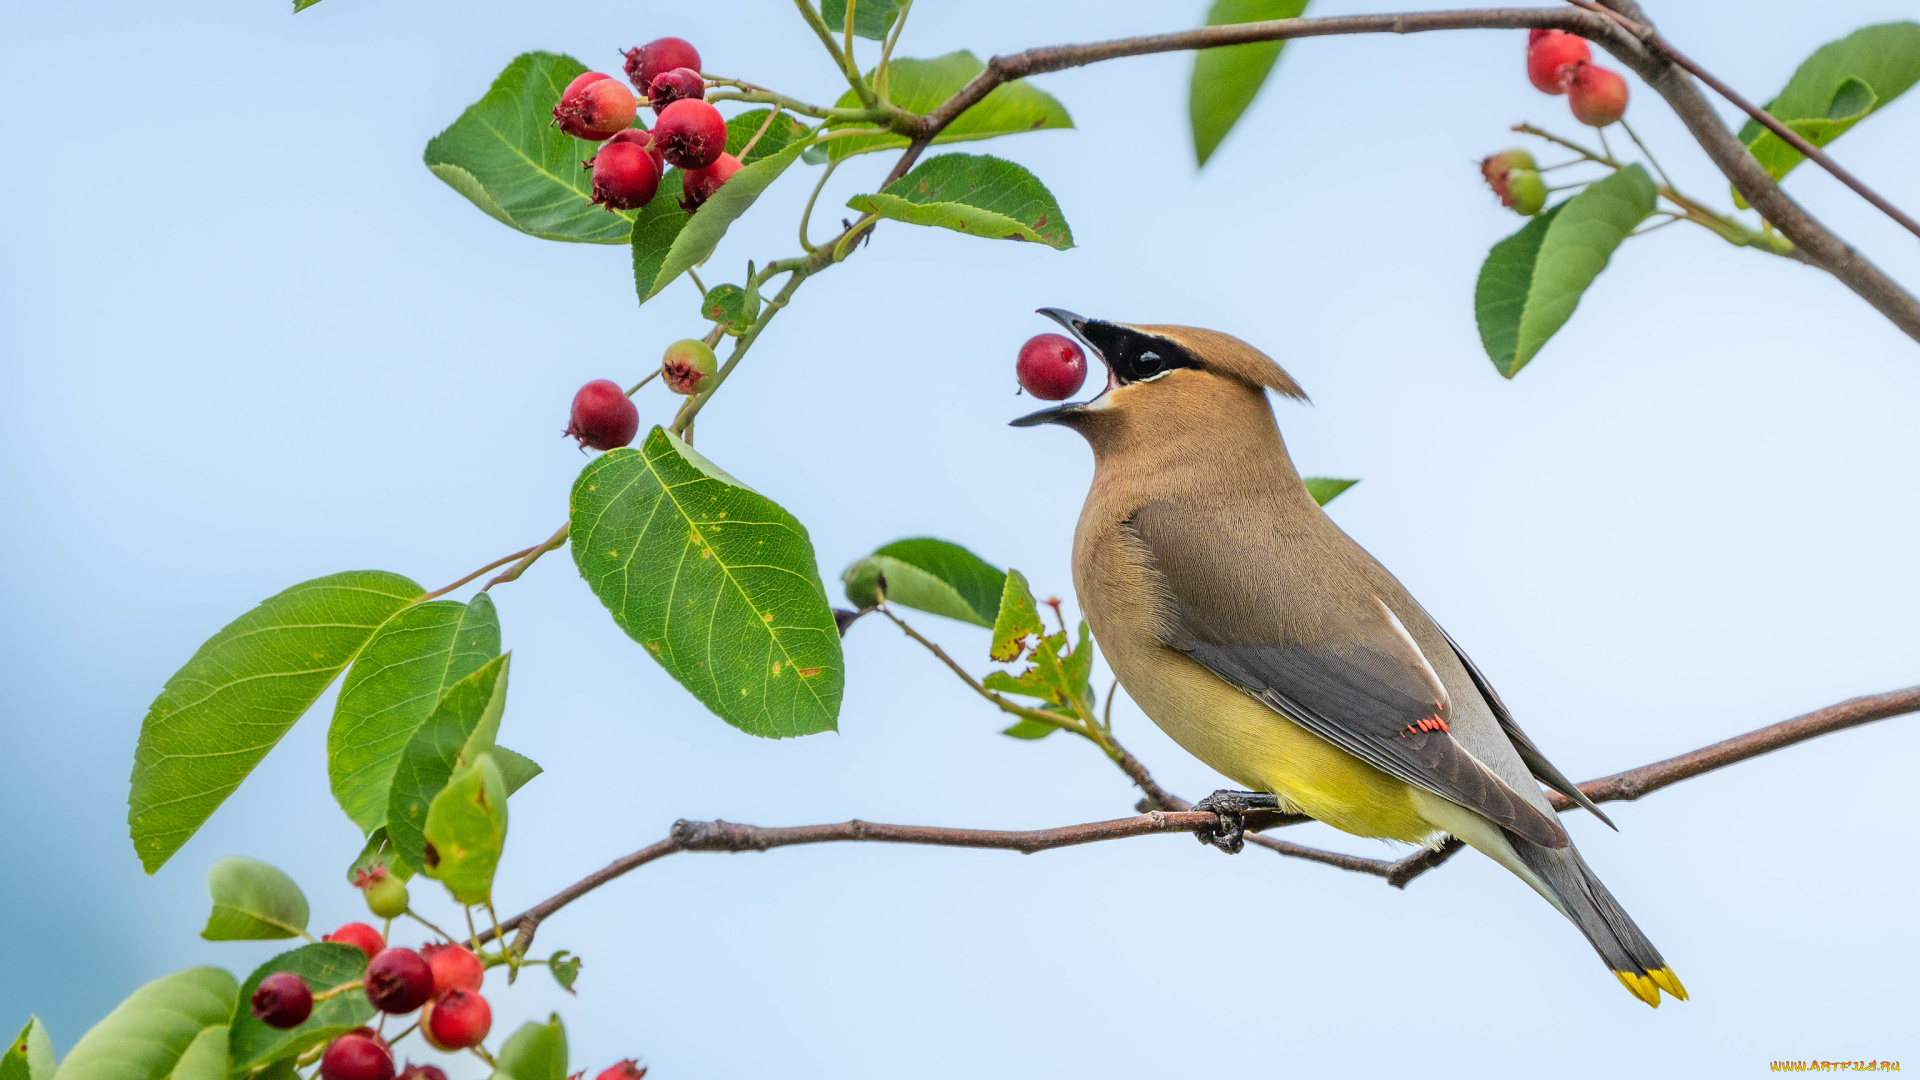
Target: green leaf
[742,128]
[324,965]
[461,728]
[534,1052]
[302,5]
[1057,679]
[565,967]
[379,851]
[221,713]
[394,685]
[938,577]
[1500,295]
[1226,80]
[145,1037]
[1017,619]
[30,1055]
[516,769]
[1841,84]
[253,901]
[507,157]
[655,228]
[727,305]
[1325,489]
[715,580]
[974,194]
[920,86]
[466,831]
[872,19]
[205,1057]
[1028,729]
[696,237]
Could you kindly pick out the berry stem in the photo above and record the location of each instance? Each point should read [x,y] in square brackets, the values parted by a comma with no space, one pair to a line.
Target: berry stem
[842,60]
[760,95]
[514,571]
[880,80]
[445,589]
[694,277]
[1651,160]
[768,122]
[336,991]
[408,1030]
[415,916]
[806,216]
[632,390]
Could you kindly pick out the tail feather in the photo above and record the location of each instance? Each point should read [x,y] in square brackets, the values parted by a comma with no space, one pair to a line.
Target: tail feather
[1585,901]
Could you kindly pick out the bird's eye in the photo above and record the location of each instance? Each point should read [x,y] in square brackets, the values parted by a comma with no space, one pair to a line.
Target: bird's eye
[1149,363]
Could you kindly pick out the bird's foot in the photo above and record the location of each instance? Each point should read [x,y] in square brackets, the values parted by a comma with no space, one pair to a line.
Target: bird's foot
[1229,834]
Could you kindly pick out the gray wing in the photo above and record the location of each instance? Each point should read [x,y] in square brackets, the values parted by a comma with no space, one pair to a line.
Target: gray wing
[1536,762]
[1366,689]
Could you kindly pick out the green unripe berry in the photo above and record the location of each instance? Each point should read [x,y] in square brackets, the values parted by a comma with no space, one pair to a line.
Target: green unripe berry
[1527,191]
[387,896]
[866,587]
[686,364]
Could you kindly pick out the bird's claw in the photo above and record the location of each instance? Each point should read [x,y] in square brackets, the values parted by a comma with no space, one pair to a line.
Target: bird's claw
[1230,832]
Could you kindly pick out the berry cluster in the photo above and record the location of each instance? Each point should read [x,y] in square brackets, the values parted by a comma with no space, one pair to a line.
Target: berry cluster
[442,981]
[1562,63]
[687,132]
[1557,63]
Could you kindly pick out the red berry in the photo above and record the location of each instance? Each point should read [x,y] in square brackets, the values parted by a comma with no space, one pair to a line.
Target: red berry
[691,134]
[624,176]
[360,936]
[1551,56]
[398,981]
[1598,96]
[1051,367]
[656,58]
[357,1055]
[643,138]
[594,107]
[603,416]
[456,1019]
[623,1070]
[670,86]
[698,185]
[423,1072]
[454,966]
[283,1000]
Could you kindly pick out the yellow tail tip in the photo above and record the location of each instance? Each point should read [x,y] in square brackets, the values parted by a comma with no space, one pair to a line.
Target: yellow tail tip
[1647,987]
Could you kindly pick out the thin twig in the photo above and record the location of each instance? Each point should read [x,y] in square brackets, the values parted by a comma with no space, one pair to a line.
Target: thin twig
[533,554]
[1623,786]
[501,561]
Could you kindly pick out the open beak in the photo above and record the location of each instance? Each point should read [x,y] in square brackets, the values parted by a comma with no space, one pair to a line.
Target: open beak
[1066,412]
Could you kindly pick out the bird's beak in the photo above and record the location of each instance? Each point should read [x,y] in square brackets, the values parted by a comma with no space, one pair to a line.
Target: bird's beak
[1065,413]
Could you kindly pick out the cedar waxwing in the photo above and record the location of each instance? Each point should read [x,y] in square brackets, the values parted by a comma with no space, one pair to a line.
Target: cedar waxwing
[1271,646]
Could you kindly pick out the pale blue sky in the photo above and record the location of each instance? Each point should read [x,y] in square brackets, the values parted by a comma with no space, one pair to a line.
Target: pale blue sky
[248,339]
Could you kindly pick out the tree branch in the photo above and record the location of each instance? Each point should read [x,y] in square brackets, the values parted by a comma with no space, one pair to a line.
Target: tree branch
[1660,69]
[1622,786]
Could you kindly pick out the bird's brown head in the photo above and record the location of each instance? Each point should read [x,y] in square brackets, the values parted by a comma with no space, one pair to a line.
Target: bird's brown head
[1161,378]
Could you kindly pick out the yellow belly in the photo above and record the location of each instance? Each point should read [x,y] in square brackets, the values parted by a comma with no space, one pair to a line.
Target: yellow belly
[1255,746]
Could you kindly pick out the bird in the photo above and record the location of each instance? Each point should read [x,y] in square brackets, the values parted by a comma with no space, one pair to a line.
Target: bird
[1270,645]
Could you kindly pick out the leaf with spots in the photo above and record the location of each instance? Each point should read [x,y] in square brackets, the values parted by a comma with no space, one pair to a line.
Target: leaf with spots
[30,1056]
[462,728]
[716,581]
[975,194]
[466,830]
[221,713]
[1017,619]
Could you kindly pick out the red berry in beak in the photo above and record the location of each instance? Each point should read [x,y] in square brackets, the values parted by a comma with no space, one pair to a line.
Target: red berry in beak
[398,981]
[360,936]
[1551,57]
[356,1056]
[624,176]
[603,417]
[698,185]
[1598,96]
[623,1070]
[691,134]
[594,107]
[454,965]
[456,1020]
[656,58]
[1051,367]
[672,86]
[283,1000]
